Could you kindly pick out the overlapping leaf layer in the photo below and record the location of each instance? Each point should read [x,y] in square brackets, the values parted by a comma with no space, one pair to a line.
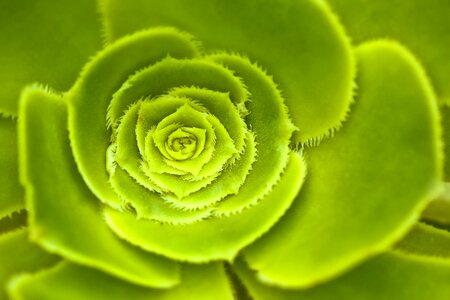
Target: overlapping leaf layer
[221,149]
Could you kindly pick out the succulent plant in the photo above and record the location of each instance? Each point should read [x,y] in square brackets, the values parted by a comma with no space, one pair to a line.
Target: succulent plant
[291,149]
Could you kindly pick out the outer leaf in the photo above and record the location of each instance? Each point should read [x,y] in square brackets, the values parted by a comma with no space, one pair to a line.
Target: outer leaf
[47,41]
[18,255]
[64,215]
[368,184]
[71,282]
[11,192]
[300,43]
[420,25]
[388,276]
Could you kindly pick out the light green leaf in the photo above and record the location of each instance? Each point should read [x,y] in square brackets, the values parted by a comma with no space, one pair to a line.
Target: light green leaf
[223,146]
[64,215]
[125,153]
[180,143]
[153,111]
[367,186]
[214,238]
[72,282]
[90,98]
[268,116]
[388,276]
[150,205]
[299,42]
[169,73]
[227,184]
[219,105]
[11,192]
[217,140]
[18,255]
[151,114]
[269,120]
[422,26]
[46,41]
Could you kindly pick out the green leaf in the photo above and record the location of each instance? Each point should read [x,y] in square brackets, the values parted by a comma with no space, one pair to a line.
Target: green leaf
[222,72]
[219,105]
[169,73]
[388,276]
[180,143]
[227,184]
[64,215]
[217,140]
[299,42]
[46,41]
[213,238]
[422,26]
[424,239]
[72,282]
[125,153]
[18,255]
[11,192]
[445,121]
[270,122]
[153,111]
[367,186]
[437,213]
[150,205]
[90,98]
[161,78]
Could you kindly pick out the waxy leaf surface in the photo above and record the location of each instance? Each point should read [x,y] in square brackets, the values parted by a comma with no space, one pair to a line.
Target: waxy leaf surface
[367,185]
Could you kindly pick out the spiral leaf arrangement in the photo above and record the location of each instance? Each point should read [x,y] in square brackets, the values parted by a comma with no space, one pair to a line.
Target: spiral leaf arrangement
[183,147]
[264,157]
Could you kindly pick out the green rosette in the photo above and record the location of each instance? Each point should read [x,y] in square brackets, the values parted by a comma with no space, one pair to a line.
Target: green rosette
[223,150]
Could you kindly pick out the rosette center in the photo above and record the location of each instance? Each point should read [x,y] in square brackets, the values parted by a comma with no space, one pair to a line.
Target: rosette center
[185,143]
